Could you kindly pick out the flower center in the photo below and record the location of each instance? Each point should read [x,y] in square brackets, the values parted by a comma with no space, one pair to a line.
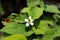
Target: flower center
[29,20]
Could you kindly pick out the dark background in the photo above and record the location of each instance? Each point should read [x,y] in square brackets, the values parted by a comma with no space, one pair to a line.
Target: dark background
[11,6]
[53,1]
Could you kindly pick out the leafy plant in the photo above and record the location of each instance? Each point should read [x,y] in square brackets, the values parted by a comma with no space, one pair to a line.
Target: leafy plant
[15,37]
[32,20]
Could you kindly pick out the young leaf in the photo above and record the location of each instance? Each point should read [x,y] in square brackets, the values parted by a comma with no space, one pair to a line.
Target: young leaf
[35,12]
[13,15]
[20,18]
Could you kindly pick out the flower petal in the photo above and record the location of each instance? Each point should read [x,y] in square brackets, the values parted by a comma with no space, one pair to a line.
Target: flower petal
[26,20]
[31,20]
[32,23]
[30,17]
[27,24]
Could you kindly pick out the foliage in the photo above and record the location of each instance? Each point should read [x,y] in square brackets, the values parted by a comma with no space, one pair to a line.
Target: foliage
[15,37]
[46,27]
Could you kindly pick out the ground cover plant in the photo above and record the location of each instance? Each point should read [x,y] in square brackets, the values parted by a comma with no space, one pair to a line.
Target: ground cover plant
[37,21]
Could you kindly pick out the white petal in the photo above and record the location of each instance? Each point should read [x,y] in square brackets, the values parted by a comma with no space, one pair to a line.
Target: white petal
[26,20]
[32,23]
[31,20]
[27,24]
[30,17]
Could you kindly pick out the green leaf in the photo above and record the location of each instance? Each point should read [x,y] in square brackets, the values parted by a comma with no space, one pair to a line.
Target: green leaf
[15,37]
[37,31]
[52,9]
[43,25]
[56,17]
[15,28]
[51,34]
[29,33]
[25,10]
[13,15]
[33,2]
[57,33]
[42,5]
[20,18]
[37,39]
[35,12]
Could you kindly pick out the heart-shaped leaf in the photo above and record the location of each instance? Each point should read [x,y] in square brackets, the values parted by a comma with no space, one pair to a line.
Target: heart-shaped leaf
[35,12]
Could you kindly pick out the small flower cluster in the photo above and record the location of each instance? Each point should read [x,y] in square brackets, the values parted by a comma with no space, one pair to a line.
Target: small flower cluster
[29,21]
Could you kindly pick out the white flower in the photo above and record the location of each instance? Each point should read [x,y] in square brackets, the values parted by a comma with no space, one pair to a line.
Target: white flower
[27,24]
[29,21]
[26,20]
[30,17]
[32,23]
